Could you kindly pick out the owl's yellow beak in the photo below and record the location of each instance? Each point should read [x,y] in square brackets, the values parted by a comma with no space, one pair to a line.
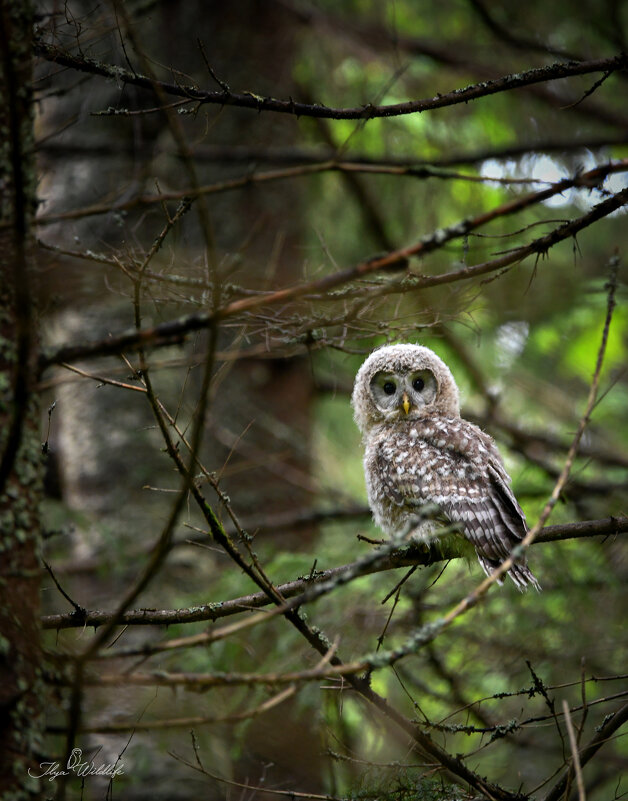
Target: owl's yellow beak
[406,403]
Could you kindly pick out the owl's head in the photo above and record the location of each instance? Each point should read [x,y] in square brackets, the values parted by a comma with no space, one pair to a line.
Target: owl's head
[403,382]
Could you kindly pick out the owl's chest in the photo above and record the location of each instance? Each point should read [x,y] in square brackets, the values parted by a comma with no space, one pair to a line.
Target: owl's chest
[408,467]
[394,471]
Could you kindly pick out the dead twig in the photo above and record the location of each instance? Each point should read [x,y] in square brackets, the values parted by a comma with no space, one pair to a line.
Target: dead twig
[575,757]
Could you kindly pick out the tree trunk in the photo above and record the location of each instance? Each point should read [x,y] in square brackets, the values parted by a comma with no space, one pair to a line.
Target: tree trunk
[21,687]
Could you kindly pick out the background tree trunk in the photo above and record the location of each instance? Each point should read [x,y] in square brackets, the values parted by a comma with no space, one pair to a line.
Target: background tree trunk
[21,688]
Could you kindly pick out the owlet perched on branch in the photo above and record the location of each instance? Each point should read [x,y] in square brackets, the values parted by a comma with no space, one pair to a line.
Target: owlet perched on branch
[418,450]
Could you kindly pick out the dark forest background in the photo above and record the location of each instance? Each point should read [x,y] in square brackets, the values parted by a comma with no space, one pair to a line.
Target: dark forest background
[231,205]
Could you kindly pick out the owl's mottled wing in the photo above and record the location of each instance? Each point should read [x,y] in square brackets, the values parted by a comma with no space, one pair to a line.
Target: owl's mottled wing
[452,463]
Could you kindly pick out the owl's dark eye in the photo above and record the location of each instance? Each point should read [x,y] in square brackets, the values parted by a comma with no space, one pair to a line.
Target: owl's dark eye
[389,388]
[418,384]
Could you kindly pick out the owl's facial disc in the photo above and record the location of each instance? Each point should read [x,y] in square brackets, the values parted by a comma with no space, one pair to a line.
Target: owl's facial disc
[403,393]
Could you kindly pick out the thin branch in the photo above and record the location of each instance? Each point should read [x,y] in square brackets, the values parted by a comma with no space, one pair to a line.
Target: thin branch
[454,54]
[611,724]
[258,103]
[573,744]
[611,526]
[174,331]
[102,379]
[591,178]
[78,609]
[298,156]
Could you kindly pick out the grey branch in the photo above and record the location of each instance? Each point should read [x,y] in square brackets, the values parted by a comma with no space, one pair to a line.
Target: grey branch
[406,557]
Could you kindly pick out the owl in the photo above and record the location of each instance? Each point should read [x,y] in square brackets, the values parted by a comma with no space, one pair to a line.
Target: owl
[418,451]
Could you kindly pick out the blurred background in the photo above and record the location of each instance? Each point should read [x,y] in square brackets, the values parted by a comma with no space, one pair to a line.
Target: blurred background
[277,200]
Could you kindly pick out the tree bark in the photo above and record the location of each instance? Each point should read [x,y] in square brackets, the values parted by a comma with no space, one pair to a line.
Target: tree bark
[21,686]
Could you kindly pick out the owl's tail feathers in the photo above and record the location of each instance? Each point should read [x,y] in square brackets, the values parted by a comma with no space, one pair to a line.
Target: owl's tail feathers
[520,573]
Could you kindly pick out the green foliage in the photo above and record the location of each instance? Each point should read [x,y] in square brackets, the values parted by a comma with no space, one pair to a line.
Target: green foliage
[522,340]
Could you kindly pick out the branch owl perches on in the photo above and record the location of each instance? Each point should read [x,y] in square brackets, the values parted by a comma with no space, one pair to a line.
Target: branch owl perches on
[418,450]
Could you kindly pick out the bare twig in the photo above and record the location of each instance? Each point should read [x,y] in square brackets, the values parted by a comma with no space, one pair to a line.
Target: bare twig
[175,330]
[586,180]
[255,102]
[575,757]
[102,379]
[611,724]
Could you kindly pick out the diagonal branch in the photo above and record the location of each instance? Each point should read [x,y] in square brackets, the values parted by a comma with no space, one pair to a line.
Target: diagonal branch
[174,331]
